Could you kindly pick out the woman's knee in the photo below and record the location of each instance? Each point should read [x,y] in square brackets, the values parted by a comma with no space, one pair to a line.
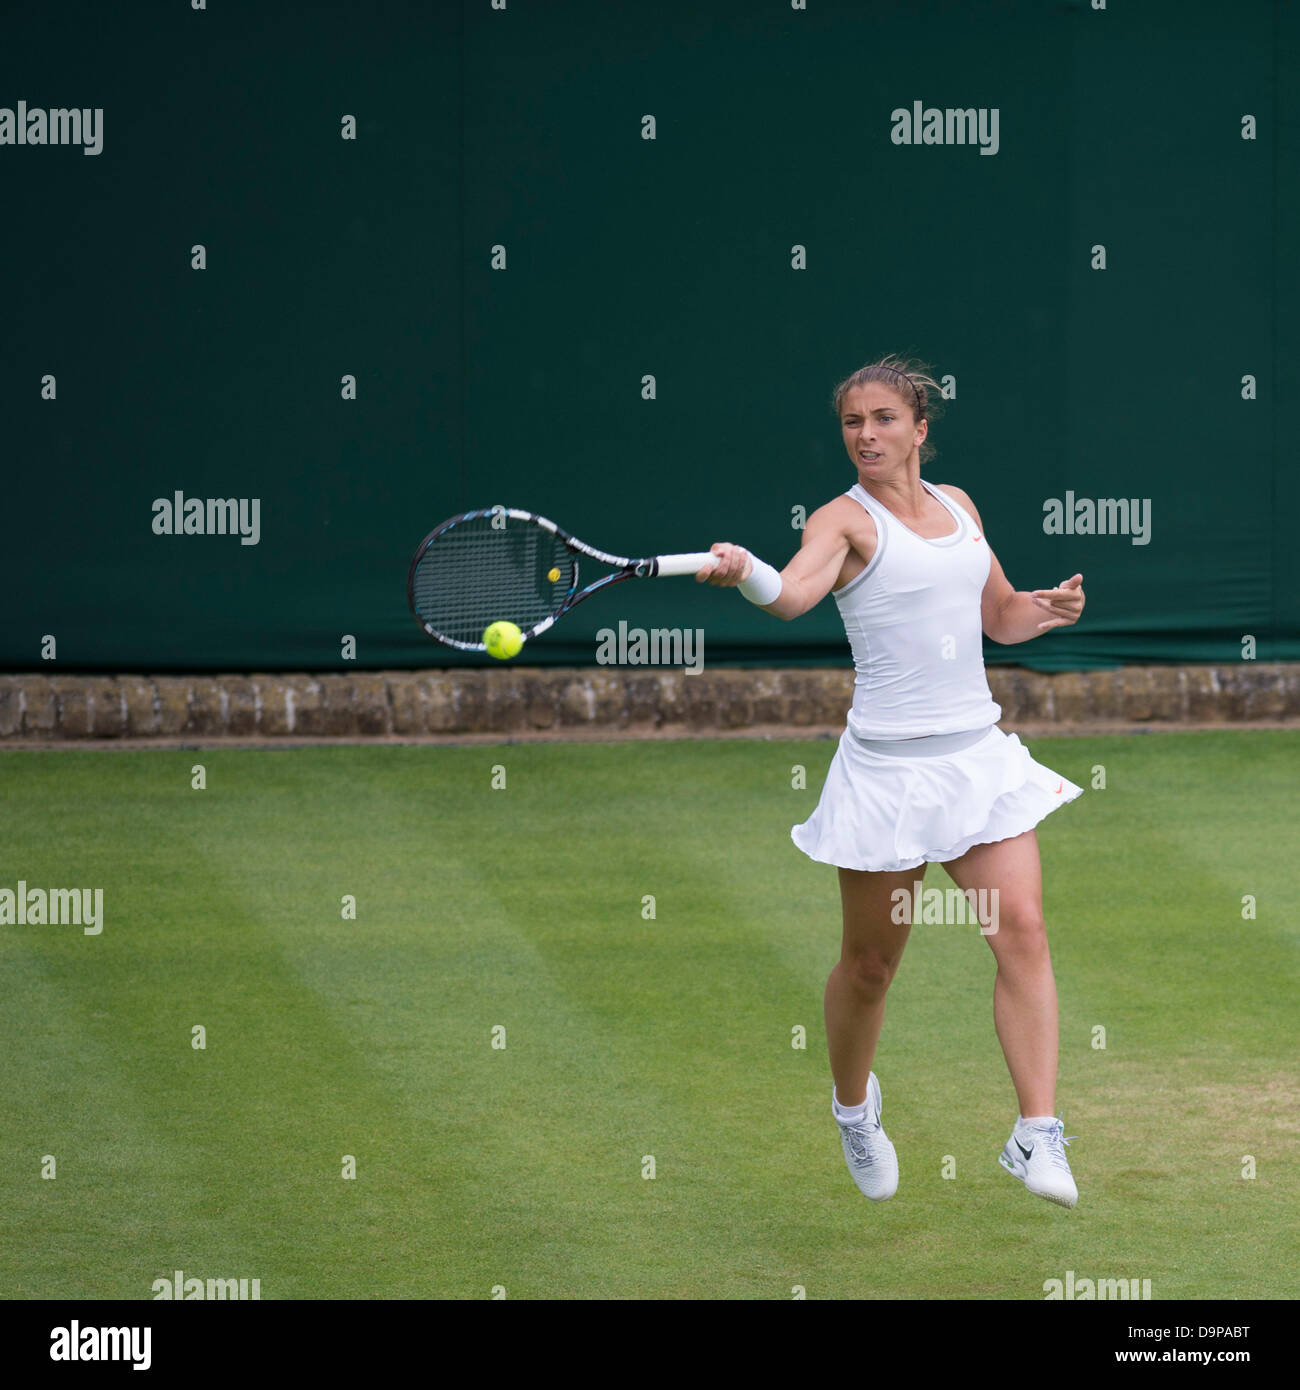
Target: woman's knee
[869,971]
[1021,933]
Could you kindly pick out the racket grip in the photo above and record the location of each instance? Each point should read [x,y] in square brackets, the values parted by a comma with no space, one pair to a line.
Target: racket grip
[669,565]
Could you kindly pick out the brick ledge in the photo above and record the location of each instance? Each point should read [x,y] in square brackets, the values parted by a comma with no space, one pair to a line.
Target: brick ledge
[577,701]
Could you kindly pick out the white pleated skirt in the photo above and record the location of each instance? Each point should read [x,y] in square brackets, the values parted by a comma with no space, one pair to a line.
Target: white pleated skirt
[890,806]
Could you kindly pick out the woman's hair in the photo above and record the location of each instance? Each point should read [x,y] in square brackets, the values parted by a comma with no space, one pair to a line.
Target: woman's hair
[910,379]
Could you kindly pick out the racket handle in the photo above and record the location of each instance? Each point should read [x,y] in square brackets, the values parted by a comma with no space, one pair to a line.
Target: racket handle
[668,565]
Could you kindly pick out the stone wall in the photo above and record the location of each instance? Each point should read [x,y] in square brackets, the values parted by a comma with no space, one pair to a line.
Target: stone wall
[524,701]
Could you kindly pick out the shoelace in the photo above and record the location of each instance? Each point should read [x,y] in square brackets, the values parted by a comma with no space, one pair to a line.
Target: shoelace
[857,1144]
[1055,1138]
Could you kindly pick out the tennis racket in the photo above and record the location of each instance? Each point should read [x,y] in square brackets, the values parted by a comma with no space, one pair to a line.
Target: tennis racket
[501,563]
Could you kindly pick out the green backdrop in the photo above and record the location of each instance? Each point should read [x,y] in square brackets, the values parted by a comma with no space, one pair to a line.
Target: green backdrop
[523,127]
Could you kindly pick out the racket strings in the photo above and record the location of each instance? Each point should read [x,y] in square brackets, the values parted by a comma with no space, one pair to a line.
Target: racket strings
[475,573]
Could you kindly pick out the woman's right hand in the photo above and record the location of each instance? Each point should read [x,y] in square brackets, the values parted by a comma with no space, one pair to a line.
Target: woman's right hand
[733,567]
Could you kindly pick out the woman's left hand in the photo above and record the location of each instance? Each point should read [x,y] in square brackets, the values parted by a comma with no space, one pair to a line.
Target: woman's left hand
[1064,603]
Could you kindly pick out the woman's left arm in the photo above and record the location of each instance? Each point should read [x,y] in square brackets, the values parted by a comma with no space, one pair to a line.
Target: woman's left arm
[1010,616]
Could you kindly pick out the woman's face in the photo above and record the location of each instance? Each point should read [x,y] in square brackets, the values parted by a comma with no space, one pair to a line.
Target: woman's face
[878,429]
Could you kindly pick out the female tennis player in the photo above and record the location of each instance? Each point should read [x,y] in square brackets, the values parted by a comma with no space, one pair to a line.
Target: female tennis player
[922,773]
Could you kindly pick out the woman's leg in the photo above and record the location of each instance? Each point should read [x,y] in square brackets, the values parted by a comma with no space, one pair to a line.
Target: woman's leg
[877,912]
[1024,995]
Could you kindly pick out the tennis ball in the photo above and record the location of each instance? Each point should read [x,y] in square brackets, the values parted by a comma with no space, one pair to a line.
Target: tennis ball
[503,640]
[553,576]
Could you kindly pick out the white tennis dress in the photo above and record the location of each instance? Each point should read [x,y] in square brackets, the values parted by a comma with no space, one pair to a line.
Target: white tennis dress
[922,772]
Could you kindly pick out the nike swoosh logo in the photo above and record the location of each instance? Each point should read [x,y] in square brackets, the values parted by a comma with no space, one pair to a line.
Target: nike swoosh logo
[1058,790]
[1028,1152]
[975,538]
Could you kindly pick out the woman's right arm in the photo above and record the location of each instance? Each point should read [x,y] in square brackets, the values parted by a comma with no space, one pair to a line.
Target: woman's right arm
[809,576]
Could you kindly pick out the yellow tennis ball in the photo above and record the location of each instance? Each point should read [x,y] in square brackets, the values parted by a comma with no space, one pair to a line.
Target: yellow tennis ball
[503,640]
[553,576]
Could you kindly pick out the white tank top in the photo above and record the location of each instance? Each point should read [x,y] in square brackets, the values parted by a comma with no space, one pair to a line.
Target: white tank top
[912,618]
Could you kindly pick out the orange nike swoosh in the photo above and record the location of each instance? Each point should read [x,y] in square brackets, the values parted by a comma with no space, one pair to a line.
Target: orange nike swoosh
[1058,790]
[975,538]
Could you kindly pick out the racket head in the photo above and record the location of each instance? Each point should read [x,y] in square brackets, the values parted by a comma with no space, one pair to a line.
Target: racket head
[490,565]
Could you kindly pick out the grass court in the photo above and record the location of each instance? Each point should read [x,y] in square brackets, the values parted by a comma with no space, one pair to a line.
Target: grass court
[524,908]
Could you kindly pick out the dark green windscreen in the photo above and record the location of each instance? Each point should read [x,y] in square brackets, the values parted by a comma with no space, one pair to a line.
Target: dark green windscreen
[771,238]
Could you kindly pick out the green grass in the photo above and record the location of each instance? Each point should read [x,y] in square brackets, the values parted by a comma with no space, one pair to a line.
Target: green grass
[626,1037]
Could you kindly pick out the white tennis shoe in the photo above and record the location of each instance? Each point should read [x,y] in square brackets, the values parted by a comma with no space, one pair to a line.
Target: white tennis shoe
[1036,1155]
[869,1154]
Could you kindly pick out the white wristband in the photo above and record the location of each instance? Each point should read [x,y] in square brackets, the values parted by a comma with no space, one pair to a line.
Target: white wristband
[763,585]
